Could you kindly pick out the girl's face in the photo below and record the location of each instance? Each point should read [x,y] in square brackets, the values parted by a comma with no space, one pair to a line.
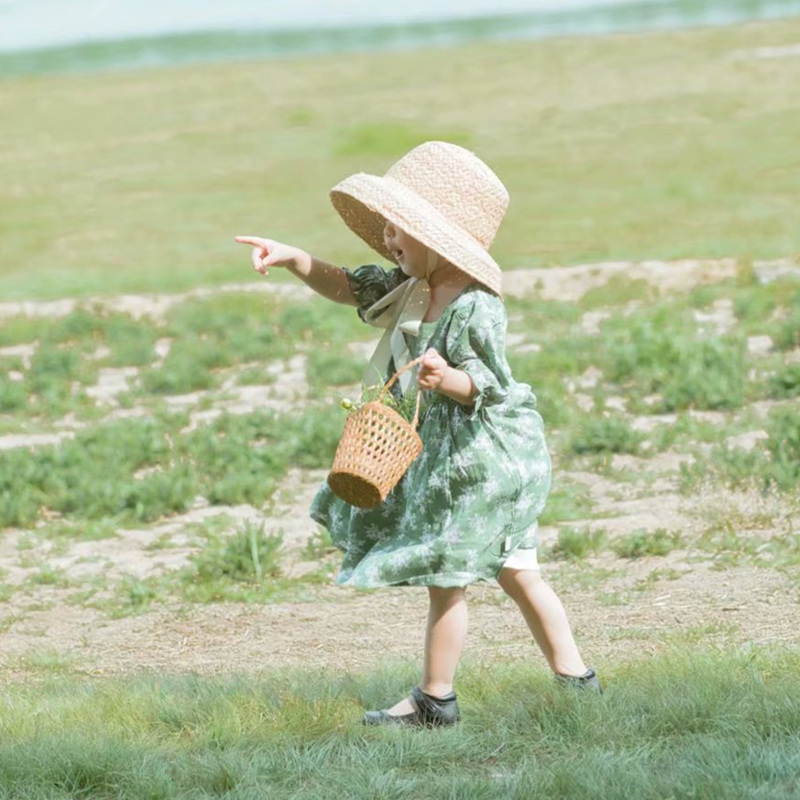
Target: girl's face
[412,256]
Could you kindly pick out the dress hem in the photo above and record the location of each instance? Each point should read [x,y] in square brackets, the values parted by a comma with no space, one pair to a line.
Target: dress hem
[455,580]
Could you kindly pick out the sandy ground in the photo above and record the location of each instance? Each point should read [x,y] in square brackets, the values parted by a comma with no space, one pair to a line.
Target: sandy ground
[620,608]
[617,614]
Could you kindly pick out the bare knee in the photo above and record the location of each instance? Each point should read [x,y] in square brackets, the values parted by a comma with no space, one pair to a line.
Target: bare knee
[445,597]
[515,582]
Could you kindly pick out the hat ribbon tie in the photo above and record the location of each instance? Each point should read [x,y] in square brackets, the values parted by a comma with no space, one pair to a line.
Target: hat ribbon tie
[400,311]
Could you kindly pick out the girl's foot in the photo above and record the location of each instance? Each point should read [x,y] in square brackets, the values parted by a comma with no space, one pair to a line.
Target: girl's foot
[420,709]
[586,681]
[405,706]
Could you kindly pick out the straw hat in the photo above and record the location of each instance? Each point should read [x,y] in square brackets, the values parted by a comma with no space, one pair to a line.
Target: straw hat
[440,194]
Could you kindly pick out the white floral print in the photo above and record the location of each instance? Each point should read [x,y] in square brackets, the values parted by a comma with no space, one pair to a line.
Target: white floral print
[476,491]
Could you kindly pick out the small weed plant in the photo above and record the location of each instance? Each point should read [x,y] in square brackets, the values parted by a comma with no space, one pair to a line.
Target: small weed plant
[578,543]
[647,543]
[235,567]
[605,435]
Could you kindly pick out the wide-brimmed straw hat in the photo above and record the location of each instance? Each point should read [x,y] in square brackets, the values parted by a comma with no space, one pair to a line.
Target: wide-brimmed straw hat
[440,194]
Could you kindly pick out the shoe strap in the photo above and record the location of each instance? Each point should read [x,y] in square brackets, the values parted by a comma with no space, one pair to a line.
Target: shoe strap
[587,676]
[429,704]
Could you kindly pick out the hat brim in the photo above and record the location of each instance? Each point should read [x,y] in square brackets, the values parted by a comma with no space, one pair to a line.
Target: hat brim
[366,201]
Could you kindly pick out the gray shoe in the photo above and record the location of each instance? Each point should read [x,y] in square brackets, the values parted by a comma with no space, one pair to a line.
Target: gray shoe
[432,712]
[588,681]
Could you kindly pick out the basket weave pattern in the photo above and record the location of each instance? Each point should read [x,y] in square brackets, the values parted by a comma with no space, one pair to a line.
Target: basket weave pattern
[376,449]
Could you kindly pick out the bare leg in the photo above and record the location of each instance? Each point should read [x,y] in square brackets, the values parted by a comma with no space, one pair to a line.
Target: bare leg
[444,641]
[546,618]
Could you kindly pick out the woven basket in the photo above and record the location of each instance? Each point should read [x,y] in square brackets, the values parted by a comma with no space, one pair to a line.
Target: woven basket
[376,449]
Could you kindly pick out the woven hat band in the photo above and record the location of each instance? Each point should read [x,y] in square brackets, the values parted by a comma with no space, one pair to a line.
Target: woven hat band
[423,207]
[458,184]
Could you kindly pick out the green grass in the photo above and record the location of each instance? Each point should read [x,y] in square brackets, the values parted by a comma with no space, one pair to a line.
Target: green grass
[187,368]
[655,356]
[320,545]
[233,335]
[84,330]
[141,469]
[688,723]
[775,465]
[726,545]
[387,139]
[618,291]
[624,147]
[255,376]
[332,367]
[13,395]
[240,564]
[785,384]
[646,543]
[49,576]
[576,544]
[56,381]
[137,157]
[567,501]
[658,351]
[605,435]
[228,566]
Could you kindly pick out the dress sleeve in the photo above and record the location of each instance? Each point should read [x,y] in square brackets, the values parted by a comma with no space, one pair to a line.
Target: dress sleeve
[371,282]
[475,343]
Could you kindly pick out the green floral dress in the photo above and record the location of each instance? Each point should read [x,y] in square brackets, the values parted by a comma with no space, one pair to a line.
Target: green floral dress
[474,494]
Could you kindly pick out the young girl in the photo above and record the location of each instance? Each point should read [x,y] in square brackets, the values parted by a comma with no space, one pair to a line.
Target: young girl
[467,508]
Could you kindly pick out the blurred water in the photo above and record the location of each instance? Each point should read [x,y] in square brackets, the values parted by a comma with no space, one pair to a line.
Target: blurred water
[39,36]
[27,24]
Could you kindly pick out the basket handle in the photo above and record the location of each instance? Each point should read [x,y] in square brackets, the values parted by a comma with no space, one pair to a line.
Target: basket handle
[394,377]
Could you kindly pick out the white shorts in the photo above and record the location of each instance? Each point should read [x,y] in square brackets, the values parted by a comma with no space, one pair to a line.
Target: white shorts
[522,559]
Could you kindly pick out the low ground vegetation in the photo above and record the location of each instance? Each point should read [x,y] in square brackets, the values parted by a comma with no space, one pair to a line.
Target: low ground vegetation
[637,387]
[685,722]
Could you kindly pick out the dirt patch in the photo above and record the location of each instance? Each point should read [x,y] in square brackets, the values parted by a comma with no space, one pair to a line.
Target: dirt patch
[572,283]
[347,630]
[154,306]
[552,283]
[618,607]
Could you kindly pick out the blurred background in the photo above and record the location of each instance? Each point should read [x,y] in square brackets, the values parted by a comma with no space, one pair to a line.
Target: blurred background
[72,35]
[137,137]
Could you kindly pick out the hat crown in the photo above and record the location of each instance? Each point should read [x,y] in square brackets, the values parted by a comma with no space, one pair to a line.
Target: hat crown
[458,184]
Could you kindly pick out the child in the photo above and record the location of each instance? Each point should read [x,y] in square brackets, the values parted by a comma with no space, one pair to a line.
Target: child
[466,510]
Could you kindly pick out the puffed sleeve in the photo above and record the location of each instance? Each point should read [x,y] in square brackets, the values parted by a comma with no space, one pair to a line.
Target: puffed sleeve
[371,282]
[475,343]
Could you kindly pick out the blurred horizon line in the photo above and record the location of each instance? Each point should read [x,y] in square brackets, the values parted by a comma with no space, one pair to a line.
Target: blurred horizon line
[173,49]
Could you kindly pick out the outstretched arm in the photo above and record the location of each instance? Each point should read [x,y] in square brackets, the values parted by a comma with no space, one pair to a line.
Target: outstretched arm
[325,279]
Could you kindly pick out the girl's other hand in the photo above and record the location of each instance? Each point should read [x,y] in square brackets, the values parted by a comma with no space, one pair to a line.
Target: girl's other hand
[269,253]
[432,370]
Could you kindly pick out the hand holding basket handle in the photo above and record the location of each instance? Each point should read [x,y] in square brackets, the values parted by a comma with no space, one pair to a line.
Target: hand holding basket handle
[376,449]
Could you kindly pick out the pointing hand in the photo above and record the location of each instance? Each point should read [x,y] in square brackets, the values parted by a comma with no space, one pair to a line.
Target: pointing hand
[269,253]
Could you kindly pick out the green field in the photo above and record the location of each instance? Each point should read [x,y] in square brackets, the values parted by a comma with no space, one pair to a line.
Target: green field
[628,147]
[687,726]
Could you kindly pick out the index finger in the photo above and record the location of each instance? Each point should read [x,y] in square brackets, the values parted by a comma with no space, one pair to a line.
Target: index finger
[255,241]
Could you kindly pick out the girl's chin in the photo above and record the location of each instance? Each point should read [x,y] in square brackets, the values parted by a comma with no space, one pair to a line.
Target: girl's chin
[410,271]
